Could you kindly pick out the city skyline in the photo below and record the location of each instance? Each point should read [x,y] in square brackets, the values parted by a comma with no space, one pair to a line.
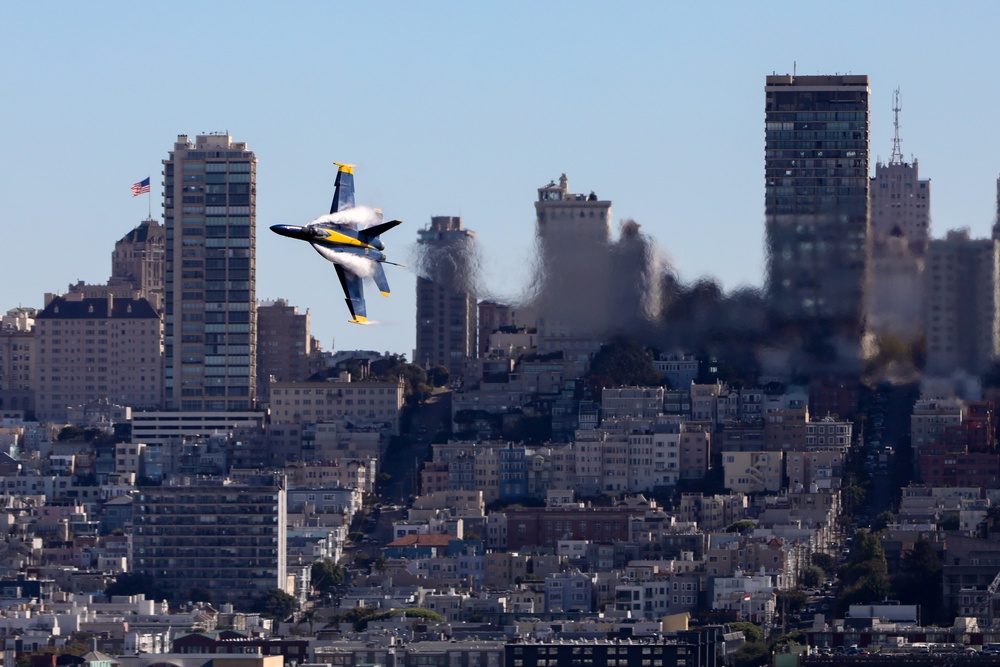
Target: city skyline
[466,112]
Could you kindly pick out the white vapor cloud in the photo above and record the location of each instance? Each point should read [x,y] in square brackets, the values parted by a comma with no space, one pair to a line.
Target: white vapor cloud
[359,217]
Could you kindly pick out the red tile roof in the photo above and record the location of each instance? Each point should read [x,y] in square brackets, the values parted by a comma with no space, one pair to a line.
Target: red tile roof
[414,540]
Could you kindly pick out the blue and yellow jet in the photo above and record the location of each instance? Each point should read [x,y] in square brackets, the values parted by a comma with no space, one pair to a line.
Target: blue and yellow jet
[349,237]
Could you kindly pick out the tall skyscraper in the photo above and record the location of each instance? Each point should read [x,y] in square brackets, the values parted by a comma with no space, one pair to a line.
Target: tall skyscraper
[900,231]
[209,205]
[900,200]
[574,235]
[446,304]
[816,202]
[962,303]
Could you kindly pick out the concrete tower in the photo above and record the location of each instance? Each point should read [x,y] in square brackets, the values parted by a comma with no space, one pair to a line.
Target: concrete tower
[574,235]
[446,304]
[962,303]
[816,198]
[209,206]
[286,350]
[138,260]
[900,231]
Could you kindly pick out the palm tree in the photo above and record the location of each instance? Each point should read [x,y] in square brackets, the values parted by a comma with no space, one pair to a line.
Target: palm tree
[309,616]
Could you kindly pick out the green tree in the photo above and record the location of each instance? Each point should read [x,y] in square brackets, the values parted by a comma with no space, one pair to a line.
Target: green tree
[76,645]
[530,429]
[853,496]
[410,612]
[790,601]
[326,575]
[623,362]
[864,575]
[869,589]
[438,376]
[309,616]
[752,654]
[740,526]
[825,562]
[793,637]
[882,521]
[416,388]
[380,563]
[919,580]
[811,576]
[867,556]
[70,433]
[276,604]
[751,631]
[134,584]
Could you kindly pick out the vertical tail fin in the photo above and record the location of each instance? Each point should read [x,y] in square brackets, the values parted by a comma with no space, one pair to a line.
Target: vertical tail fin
[343,188]
[379,277]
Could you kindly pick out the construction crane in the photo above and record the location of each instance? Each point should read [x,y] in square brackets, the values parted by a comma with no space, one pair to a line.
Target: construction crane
[985,608]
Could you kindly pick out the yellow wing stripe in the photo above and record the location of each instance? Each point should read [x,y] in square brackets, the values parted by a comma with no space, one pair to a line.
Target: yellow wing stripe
[337,237]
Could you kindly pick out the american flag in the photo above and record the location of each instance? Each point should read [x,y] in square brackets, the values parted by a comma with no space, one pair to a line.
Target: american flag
[142,187]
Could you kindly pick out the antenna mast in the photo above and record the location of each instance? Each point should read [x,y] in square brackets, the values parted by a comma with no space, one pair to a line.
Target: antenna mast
[897,154]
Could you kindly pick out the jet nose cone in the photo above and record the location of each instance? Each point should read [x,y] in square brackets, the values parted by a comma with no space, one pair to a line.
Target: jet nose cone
[292,231]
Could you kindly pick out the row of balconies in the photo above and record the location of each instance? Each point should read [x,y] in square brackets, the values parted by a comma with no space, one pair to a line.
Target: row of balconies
[203,549]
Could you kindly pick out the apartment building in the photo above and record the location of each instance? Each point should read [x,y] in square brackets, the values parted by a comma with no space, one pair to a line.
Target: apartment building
[218,534]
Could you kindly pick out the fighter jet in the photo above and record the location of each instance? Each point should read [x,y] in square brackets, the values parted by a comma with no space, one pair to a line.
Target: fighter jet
[349,237]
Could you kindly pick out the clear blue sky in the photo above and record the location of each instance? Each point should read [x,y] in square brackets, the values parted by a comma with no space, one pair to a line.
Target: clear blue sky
[461,108]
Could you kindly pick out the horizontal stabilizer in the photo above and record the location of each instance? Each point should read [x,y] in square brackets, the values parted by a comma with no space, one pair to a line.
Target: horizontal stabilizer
[378,275]
[378,230]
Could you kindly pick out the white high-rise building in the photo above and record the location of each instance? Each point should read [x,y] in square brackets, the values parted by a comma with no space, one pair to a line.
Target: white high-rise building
[901,205]
[574,235]
[900,231]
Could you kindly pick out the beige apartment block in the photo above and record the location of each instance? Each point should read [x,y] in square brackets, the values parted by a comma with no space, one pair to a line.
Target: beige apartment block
[91,350]
[286,350]
[752,472]
[368,401]
[638,402]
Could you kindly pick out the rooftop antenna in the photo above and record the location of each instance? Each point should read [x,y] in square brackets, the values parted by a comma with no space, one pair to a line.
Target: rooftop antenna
[897,154]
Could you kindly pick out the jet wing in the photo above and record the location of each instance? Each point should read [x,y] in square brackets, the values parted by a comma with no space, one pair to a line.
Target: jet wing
[343,188]
[355,292]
